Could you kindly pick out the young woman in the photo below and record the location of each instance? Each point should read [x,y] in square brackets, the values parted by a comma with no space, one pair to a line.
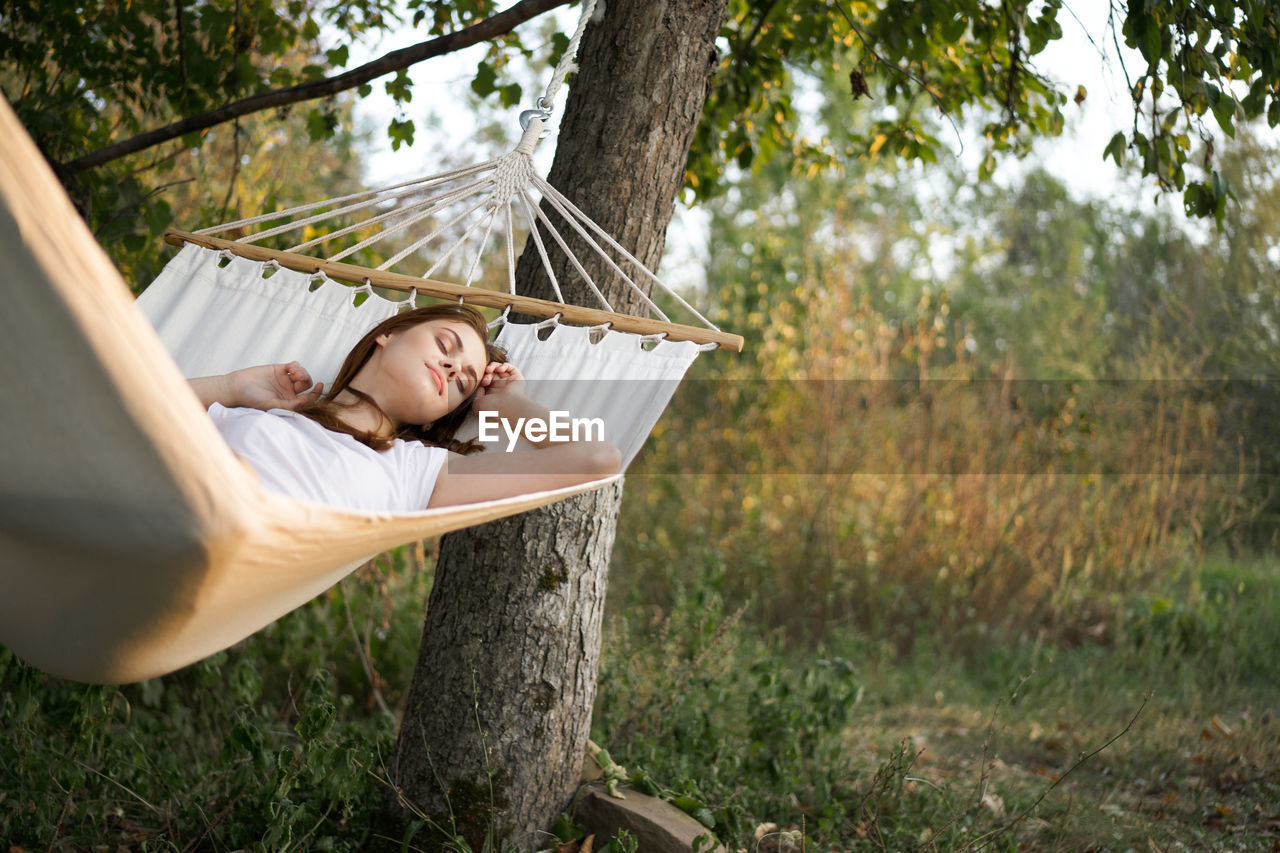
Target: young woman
[384,435]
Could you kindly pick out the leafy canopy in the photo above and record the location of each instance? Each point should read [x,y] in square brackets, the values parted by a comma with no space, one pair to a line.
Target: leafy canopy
[82,76]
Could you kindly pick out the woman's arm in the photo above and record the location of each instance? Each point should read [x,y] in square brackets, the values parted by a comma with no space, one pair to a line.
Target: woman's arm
[497,474]
[547,464]
[266,386]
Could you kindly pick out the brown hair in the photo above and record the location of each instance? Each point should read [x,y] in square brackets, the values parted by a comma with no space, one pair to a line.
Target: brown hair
[441,433]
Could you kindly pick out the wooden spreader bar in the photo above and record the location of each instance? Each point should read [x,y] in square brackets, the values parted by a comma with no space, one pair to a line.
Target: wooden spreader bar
[476,296]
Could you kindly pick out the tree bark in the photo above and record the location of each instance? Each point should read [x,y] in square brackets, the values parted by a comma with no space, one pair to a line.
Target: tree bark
[498,715]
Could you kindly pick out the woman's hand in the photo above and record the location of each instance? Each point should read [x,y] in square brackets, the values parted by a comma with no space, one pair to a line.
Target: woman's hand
[276,386]
[501,382]
[266,386]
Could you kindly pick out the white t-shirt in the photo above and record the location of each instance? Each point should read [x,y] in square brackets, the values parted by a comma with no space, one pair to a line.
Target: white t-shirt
[296,456]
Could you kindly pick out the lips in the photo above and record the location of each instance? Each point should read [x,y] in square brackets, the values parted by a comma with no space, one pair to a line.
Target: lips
[435,374]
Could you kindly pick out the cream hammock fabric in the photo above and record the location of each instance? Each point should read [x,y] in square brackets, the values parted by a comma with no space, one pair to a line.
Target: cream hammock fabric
[132,541]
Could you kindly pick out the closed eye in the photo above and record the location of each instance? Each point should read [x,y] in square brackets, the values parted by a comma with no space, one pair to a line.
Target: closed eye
[455,343]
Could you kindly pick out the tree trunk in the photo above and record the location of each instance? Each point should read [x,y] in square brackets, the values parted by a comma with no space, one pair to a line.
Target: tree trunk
[500,709]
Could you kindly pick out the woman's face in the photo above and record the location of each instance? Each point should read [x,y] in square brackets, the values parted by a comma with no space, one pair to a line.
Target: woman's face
[425,371]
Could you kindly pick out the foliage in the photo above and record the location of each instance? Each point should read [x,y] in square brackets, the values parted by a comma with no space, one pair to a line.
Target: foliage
[933,752]
[239,170]
[81,77]
[276,744]
[1204,56]
[929,434]
[1210,307]
[907,57]
[979,57]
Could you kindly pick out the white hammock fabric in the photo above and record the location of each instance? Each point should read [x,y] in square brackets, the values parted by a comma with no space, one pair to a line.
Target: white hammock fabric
[216,314]
[621,379]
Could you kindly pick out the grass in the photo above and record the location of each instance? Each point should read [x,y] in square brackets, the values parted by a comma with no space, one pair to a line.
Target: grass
[853,745]
[994,738]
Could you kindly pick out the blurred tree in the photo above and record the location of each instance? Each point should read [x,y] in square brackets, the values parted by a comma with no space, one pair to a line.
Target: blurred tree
[1031,276]
[1206,307]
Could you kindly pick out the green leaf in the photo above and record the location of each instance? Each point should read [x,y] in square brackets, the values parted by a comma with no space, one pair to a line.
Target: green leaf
[338,56]
[1152,39]
[1115,149]
[321,124]
[566,830]
[1224,110]
[559,44]
[159,217]
[987,167]
[645,784]
[316,719]
[485,82]
[510,94]
[696,809]
[953,28]
[399,87]
[1197,200]
[1221,187]
[401,133]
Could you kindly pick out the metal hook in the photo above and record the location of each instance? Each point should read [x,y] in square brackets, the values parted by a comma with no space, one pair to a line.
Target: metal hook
[542,112]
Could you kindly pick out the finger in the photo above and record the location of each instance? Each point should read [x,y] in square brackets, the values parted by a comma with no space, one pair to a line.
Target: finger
[301,378]
[303,399]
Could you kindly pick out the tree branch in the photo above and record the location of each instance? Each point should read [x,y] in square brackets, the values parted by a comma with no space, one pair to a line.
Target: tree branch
[490,28]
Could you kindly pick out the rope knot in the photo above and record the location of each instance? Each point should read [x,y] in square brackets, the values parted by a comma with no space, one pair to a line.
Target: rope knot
[513,173]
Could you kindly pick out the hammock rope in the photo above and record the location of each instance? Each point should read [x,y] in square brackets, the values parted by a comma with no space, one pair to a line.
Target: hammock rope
[464,209]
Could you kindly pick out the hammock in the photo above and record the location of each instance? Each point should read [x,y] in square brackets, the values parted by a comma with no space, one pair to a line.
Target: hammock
[132,541]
